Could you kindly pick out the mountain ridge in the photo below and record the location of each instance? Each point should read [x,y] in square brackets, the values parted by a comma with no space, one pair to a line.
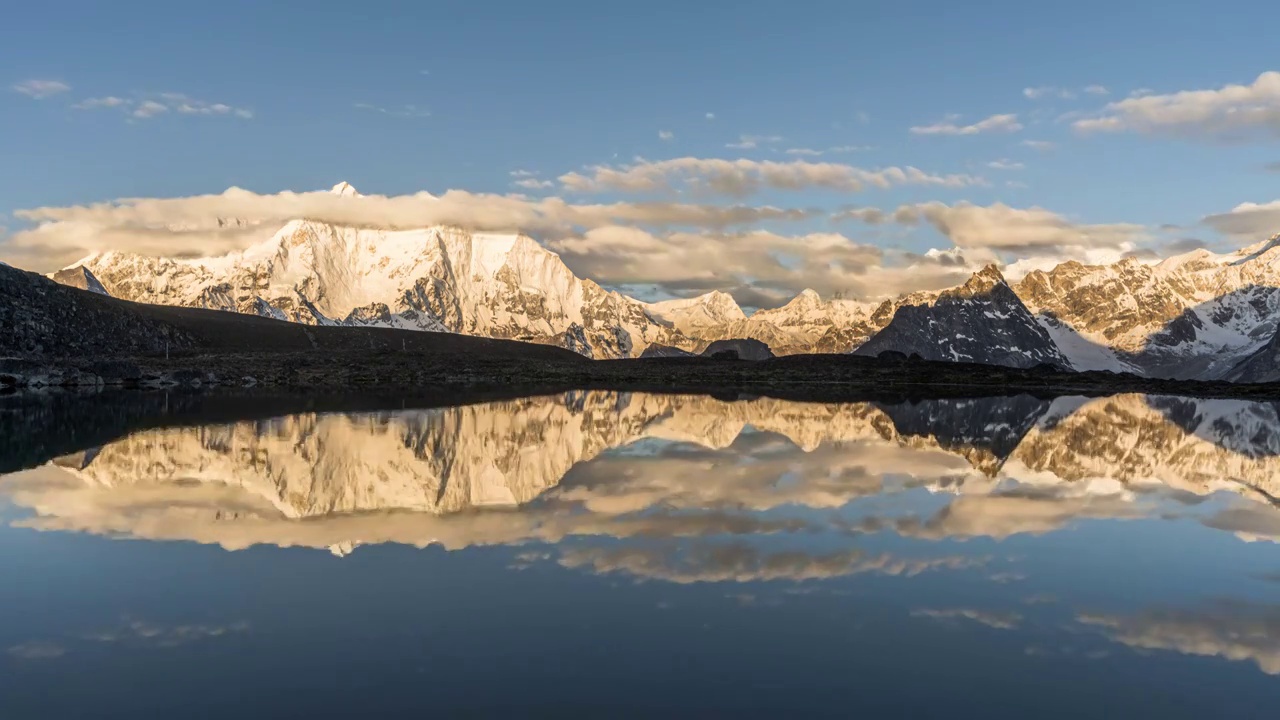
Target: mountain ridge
[1195,316]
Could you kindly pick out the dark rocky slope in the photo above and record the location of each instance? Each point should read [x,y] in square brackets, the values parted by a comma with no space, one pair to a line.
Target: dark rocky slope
[982,321]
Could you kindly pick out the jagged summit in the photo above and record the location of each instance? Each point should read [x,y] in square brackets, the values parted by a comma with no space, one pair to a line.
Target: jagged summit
[982,282]
[982,321]
[344,189]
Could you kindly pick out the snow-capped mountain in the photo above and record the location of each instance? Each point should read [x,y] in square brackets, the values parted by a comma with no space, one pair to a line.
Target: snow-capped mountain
[698,315]
[982,321]
[1015,464]
[1196,315]
[806,324]
[439,278]
[1192,315]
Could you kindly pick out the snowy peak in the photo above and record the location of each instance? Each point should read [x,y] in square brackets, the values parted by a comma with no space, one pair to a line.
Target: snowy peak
[697,315]
[344,189]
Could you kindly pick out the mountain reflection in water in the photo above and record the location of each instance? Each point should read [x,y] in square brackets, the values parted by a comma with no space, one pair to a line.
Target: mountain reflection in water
[769,500]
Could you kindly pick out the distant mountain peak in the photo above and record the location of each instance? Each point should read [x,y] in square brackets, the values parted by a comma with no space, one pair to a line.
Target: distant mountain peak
[344,189]
[982,282]
[79,276]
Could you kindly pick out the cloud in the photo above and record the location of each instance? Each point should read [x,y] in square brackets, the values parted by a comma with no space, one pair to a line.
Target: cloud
[997,620]
[1060,93]
[666,135]
[1250,523]
[749,142]
[825,261]
[710,116]
[189,225]
[529,180]
[534,184]
[1247,220]
[402,111]
[838,149]
[1001,227]
[1005,164]
[109,101]
[741,563]
[1231,113]
[157,635]
[150,106]
[1046,91]
[743,177]
[1272,167]
[1041,145]
[1231,629]
[1008,514]
[37,650]
[1006,123]
[40,89]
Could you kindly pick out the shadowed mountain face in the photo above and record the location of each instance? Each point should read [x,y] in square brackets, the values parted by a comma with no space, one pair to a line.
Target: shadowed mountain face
[366,476]
[1262,365]
[983,321]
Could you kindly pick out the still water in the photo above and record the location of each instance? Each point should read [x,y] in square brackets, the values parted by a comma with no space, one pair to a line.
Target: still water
[609,555]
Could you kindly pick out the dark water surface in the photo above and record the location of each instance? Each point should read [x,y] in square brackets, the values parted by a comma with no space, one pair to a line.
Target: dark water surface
[609,555]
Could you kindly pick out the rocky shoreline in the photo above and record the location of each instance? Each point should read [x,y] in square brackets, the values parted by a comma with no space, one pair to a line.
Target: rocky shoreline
[801,377]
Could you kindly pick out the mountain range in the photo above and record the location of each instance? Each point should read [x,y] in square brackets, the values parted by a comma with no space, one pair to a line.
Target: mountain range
[1197,315]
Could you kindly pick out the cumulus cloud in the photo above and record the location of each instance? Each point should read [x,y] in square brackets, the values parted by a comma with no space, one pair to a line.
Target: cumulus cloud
[1001,227]
[1041,145]
[1006,123]
[1247,220]
[149,108]
[666,135]
[1097,90]
[827,262]
[40,89]
[743,177]
[710,116]
[1229,113]
[190,225]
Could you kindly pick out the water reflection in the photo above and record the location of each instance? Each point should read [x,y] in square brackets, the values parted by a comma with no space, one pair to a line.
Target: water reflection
[1064,531]
[627,465]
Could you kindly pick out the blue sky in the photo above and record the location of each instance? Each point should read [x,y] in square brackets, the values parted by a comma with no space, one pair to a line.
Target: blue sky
[403,97]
